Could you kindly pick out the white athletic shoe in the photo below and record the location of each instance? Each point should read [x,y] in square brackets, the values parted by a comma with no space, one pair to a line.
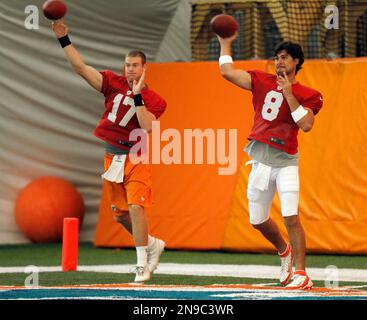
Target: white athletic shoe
[154,252]
[286,268]
[300,280]
[141,273]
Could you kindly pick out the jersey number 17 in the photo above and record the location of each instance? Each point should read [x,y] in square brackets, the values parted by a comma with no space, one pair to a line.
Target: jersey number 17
[128,102]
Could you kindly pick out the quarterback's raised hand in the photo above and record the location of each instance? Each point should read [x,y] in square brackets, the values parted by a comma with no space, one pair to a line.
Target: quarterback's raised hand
[139,85]
[225,42]
[59,28]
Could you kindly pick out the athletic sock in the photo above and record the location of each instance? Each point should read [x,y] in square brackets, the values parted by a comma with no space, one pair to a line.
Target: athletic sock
[141,253]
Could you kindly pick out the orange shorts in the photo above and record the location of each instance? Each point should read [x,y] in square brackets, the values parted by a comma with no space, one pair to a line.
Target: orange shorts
[136,188]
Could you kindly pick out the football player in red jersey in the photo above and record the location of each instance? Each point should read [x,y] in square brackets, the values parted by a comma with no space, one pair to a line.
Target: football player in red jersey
[129,105]
[282,106]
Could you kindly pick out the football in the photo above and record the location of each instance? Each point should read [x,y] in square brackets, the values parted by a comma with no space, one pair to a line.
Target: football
[54,9]
[224,25]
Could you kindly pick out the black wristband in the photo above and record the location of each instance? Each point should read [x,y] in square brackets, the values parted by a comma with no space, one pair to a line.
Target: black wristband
[138,100]
[64,41]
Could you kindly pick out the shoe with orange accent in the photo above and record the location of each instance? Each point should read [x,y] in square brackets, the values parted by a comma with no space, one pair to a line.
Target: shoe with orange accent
[300,280]
[286,259]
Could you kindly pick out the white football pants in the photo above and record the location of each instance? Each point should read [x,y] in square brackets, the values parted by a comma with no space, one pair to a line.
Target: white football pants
[261,187]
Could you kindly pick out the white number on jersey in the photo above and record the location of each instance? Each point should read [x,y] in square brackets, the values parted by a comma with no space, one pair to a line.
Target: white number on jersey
[272,103]
[115,108]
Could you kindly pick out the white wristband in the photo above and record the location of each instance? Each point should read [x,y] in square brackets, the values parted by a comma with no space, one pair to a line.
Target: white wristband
[225,59]
[299,113]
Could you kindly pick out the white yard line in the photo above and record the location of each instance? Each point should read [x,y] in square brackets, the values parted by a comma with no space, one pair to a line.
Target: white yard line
[223,270]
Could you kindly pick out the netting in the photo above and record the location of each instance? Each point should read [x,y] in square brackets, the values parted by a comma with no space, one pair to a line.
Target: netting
[325,29]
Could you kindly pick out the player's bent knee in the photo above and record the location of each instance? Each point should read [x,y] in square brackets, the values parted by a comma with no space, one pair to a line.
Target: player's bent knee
[256,225]
[122,216]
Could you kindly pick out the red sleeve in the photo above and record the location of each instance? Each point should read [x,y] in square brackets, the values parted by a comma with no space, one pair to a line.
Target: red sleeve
[255,78]
[107,77]
[314,102]
[154,103]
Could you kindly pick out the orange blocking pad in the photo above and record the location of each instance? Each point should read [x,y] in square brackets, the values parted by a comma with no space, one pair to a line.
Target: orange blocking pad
[195,208]
[70,239]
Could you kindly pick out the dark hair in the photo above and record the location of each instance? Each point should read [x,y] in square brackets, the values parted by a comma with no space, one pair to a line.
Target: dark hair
[138,53]
[294,49]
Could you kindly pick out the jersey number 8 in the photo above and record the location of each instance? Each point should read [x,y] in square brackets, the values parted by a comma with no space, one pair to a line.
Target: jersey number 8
[272,103]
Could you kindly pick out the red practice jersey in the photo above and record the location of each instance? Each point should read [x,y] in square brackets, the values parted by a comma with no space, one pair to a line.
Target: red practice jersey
[273,123]
[119,117]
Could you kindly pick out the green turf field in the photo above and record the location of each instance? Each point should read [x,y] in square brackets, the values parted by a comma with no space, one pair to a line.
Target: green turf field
[50,255]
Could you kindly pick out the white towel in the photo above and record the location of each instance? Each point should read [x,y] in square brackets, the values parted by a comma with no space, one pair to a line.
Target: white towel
[115,172]
[261,176]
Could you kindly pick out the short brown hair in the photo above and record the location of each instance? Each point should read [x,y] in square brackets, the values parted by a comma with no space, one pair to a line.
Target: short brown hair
[138,53]
[294,50]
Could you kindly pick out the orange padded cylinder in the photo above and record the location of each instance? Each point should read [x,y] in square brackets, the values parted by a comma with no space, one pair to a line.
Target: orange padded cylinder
[70,238]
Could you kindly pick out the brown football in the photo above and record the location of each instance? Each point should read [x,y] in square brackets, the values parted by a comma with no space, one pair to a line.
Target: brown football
[54,9]
[224,25]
